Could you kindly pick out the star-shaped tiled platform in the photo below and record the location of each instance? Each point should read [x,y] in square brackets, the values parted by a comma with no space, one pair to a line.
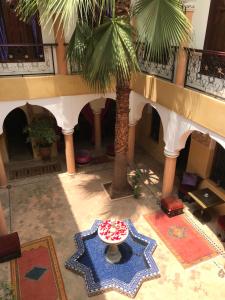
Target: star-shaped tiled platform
[136,265]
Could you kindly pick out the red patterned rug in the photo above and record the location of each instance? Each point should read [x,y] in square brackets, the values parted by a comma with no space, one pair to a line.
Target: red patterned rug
[186,243]
[36,274]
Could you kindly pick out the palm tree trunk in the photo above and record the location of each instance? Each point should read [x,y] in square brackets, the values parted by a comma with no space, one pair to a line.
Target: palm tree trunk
[120,184]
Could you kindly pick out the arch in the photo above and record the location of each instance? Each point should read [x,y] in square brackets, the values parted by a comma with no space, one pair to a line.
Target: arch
[17,146]
[6,108]
[83,100]
[183,139]
[65,109]
[38,111]
[92,114]
[194,127]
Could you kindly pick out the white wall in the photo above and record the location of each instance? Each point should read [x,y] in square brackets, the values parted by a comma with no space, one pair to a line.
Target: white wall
[200,19]
[47,34]
[68,32]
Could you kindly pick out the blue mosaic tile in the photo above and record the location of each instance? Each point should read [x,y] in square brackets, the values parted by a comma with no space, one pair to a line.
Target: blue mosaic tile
[136,265]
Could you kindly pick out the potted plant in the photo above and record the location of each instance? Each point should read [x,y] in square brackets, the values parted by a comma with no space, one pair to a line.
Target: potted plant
[42,131]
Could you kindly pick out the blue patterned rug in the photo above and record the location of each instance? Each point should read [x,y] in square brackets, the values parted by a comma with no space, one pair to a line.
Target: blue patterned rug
[136,265]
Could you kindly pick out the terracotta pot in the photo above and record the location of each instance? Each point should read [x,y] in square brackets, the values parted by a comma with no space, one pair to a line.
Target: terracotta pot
[45,152]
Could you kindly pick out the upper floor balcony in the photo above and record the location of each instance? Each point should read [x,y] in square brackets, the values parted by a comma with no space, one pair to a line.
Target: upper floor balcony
[27,59]
[204,72]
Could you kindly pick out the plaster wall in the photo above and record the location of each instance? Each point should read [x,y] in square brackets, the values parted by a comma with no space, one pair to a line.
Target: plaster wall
[200,157]
[143,139]
[200,20]
[47,33]
[192,105]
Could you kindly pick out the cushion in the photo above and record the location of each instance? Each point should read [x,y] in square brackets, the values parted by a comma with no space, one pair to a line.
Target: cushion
[189,179]
[10,247]
[83,157]
[172,203]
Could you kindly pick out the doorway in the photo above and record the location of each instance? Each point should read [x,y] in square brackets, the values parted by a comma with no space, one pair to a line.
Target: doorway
[17,145]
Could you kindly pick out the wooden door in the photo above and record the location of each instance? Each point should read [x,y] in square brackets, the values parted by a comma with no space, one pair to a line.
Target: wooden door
[213,58]
[215,33]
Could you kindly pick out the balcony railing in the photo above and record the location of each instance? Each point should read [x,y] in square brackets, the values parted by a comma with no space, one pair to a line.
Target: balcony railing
[27,59]
[164,68]
[206,72]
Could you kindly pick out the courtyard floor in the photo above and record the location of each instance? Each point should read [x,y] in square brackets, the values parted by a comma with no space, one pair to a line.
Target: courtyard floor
[60,206]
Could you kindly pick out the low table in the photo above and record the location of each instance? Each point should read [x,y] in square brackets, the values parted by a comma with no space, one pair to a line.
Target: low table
[206,199]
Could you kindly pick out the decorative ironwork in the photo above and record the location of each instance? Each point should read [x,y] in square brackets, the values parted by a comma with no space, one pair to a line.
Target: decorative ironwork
[188,4]
[206,72]
[164,68]
[44,64]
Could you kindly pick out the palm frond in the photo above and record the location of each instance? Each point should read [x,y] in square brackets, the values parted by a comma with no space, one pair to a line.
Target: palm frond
[110,53]
[26,9]
[64,11]
[77,48]
[161,24]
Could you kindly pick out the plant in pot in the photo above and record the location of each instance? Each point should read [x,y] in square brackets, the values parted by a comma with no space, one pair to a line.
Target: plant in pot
[43,133]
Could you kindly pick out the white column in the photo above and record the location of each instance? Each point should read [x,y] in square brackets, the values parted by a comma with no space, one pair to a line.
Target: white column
[69,151]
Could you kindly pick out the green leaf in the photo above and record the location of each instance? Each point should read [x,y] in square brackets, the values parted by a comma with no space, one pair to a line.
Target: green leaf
[110,53]
[76,51]
[64,11]
[161,24]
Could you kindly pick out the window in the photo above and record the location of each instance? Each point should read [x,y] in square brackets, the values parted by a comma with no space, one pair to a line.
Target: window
[155,125]
[13,31]
[218,168]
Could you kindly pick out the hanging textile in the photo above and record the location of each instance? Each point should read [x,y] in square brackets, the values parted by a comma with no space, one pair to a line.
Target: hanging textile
[3,40]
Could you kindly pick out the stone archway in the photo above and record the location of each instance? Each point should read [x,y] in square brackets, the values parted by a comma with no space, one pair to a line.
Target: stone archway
[94,132]
[150,133]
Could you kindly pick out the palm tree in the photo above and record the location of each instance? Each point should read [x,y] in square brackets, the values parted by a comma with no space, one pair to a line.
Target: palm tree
[104,45]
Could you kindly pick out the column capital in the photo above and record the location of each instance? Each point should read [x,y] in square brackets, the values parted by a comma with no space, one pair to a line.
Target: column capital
[68,131]
[132,124]
[97,112]
[171,154]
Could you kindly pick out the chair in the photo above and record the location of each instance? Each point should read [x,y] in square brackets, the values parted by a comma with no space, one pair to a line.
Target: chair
[189,183]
